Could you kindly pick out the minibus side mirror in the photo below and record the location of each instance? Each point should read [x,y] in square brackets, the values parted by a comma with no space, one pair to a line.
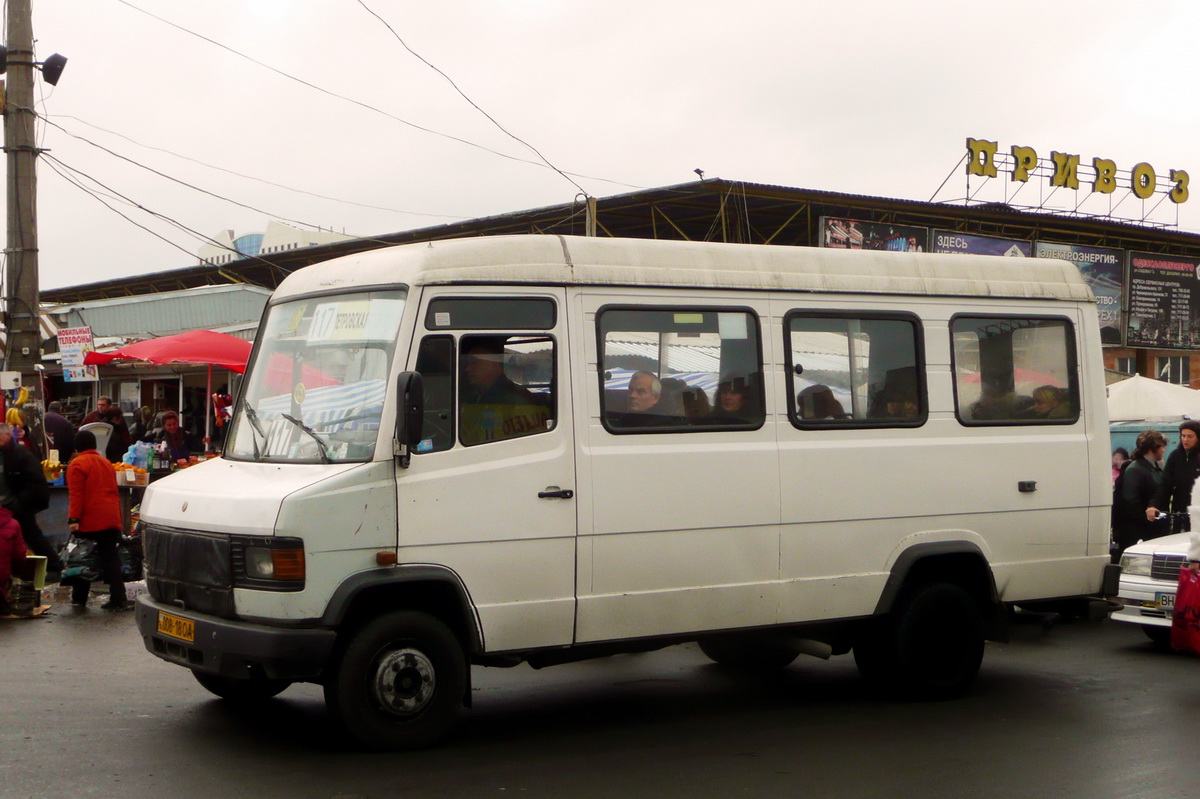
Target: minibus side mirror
[410,415]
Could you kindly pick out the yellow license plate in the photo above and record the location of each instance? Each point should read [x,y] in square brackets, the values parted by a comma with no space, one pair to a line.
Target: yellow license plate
[183,629]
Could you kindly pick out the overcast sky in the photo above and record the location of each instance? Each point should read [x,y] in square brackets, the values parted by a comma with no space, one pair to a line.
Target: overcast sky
[865,97]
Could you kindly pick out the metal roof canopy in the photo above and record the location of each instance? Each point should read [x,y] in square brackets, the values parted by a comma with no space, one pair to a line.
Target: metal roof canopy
[166,313]
[705,210]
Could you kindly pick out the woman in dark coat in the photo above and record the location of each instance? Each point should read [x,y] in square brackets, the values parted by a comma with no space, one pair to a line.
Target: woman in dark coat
[1134,490]
[1179,475]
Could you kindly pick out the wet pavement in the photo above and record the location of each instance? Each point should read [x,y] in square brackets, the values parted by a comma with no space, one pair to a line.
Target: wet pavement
[1082,709]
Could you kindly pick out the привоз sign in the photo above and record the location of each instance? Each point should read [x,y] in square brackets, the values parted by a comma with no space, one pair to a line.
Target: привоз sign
[1143,181]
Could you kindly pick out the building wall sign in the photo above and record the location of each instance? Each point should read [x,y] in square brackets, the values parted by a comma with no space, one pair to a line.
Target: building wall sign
[1022,162]
[1164,301]
[851,234]
[1103,268]
[953,241]
[74,343]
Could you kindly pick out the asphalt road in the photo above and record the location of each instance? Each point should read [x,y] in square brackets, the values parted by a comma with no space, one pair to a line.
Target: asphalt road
[1085,709]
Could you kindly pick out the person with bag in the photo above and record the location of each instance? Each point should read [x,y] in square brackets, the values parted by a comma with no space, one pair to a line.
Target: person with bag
[1179,475]
[1135,487]
[24,491]
[94,513]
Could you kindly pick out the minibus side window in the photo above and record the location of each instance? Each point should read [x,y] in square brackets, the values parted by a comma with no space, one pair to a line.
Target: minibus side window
[506,387]
[1014,370]
[676,370]
[435,362]
[855,370]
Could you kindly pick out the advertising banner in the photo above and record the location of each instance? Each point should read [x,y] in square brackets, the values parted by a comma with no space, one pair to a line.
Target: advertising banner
[966,243]
[1164,292]
[1103,268]
[851,234]
[74,343]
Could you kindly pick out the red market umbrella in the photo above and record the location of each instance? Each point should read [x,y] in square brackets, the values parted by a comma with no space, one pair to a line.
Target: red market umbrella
[195,346]
[214,349]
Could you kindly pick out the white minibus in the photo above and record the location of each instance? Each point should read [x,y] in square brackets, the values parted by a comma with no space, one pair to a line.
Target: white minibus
[540,449]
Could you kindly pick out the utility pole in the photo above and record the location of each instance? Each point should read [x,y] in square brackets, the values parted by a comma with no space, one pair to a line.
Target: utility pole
[23,346]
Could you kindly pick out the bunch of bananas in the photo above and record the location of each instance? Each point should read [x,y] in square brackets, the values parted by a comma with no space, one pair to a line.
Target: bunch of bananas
[52,469]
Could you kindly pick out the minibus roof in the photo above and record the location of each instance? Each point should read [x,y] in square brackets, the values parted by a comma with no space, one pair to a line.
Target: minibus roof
[574,260]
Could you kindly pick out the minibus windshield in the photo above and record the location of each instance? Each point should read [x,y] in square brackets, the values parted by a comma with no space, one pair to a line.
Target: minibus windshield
[315,389]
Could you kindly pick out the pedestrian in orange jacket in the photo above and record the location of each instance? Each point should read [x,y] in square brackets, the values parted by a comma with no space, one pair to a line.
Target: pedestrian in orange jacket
[94,512]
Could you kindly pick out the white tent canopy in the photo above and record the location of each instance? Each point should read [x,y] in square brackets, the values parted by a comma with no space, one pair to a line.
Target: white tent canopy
[1139,398]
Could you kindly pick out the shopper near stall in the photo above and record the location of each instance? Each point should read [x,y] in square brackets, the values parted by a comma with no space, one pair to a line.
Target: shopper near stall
[23,490]
[102,406]
[94,512]
[180,442]
[1174,492]
[62,432]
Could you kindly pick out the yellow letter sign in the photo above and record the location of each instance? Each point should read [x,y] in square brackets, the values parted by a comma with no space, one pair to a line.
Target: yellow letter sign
[1025,161]
[983,157]
[1066,170]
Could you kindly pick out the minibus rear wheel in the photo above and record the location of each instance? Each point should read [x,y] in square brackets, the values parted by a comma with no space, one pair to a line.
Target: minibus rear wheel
[399,682]
[930,647]
[254,689]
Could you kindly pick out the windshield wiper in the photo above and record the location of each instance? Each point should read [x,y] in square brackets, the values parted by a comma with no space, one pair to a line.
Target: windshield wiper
[252,415]
[324,452]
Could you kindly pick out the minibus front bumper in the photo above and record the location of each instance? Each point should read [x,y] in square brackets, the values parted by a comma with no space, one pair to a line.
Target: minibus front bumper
[234,649]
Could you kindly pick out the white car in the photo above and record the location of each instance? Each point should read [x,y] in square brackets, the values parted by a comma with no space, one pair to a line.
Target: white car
[1149,577]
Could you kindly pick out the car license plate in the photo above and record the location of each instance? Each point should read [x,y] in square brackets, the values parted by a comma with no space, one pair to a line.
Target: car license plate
[174,626]
[1165,601]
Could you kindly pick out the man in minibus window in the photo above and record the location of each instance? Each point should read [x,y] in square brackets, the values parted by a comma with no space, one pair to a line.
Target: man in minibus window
[486,383]
[644,392]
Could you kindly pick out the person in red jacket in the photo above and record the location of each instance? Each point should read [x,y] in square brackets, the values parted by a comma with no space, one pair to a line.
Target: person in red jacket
[12,555]
[94,512]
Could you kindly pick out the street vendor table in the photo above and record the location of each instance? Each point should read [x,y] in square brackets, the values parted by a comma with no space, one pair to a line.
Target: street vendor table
[131,496]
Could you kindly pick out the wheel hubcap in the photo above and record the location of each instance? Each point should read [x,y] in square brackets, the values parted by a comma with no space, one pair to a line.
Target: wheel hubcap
[404,682]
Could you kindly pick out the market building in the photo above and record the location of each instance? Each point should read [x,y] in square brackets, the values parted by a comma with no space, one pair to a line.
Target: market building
[1146,275]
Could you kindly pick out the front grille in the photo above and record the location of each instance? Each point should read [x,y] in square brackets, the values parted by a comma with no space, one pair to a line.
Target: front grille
[1166,567]
[189,569]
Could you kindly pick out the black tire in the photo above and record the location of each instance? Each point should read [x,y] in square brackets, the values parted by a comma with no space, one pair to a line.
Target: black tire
[1160,636]
[399,682]
[930,647]
[241,691]
[749,652]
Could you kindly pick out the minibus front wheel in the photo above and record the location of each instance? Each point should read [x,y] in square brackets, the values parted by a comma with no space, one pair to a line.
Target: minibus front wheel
[399,682]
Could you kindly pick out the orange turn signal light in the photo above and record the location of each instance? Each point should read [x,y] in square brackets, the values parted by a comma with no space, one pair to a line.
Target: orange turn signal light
[386,558]
[288,564]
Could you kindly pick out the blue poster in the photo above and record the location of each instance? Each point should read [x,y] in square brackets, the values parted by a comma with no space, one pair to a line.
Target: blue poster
[1104,270]
[967,243]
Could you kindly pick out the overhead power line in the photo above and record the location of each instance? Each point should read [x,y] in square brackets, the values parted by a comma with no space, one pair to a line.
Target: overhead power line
[361,104]
[474,105]
[71,176]
[177,180]
[242,175]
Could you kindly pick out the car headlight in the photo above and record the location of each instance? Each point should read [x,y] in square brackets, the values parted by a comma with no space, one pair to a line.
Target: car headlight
[1138,565]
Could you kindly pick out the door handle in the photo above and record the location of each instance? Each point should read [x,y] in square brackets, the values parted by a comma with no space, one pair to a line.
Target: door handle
[1027,486]
[554,492]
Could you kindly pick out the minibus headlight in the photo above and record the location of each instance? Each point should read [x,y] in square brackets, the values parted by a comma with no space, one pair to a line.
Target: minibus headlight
[275,564]
[1138,565]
